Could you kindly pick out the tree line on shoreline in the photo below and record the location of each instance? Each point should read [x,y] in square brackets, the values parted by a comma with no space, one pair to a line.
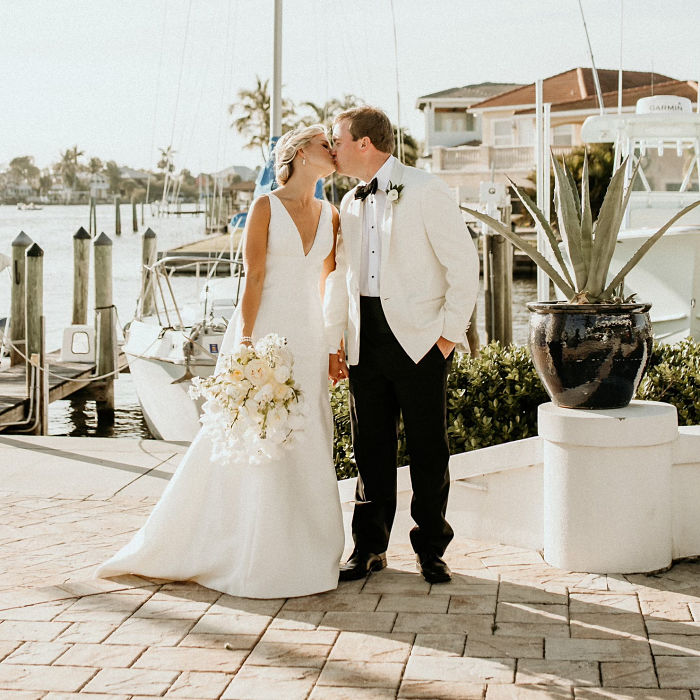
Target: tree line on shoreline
[77,177]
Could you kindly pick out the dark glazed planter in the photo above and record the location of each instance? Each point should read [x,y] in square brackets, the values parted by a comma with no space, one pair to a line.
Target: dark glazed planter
[590,355]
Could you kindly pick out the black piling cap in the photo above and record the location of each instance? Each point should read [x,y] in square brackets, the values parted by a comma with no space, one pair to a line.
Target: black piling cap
[22,240]
[150,233]
[103,239]
[81,234]
[35,251]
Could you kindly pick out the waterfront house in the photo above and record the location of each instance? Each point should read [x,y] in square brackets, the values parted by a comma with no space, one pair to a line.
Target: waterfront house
[508,124]
[447,121]
[235,173]
[18,191]
[99,186]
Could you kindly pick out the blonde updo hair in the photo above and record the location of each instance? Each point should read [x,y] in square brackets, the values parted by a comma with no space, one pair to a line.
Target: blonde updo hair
[288,146]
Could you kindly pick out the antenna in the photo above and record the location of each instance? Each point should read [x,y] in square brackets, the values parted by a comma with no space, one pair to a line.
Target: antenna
[590,53]
[399,136]
[619,73]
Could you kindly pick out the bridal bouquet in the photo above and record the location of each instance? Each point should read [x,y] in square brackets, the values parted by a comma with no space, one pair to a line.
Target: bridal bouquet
[252,405]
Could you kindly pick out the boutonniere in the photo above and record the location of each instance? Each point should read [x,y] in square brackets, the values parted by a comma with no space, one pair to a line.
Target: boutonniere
[393,192]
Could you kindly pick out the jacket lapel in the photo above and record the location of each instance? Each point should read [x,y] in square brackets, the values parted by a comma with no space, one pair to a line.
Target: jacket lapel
[388,222]
[352,233]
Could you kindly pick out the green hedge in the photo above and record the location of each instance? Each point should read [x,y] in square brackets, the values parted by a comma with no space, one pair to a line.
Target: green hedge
[493,398]
[673,376]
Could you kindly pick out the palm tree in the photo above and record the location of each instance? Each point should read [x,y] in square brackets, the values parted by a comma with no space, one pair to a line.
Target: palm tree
[326,113]
[94,165]
[411,152]
[167,159]
[68,165]
[114,175]
[253,116]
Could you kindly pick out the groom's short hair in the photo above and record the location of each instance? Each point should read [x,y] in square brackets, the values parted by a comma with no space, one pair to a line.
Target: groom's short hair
[372,123]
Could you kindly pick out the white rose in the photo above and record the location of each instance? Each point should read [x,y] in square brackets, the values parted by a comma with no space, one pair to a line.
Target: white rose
[392,195]
[258,372]
[281,373]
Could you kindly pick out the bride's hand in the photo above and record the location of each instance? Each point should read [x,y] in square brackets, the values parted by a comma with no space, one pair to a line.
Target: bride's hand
[337,369]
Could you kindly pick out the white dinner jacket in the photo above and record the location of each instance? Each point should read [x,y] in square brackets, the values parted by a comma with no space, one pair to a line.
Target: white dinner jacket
[429,268]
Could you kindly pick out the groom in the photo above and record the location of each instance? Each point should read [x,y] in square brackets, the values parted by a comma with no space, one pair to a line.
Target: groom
[404,288]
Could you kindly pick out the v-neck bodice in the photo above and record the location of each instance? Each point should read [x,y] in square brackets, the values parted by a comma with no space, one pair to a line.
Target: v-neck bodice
[284,237]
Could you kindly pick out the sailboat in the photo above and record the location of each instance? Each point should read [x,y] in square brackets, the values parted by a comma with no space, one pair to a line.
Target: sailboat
[168,343]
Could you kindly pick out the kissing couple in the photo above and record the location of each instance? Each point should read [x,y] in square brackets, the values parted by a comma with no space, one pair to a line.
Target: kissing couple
[380,293]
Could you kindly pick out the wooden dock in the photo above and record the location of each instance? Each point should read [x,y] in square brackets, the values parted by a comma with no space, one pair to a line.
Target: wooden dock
[14,402]
[209,247]
[212,247]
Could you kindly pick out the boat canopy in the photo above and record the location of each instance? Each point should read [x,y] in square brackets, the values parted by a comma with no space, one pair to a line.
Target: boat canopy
[668,127]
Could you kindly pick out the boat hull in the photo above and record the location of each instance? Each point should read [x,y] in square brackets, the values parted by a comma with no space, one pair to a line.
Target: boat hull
[157,364]
[668,277]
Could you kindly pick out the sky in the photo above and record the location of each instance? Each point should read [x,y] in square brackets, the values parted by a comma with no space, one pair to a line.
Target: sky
[123,79]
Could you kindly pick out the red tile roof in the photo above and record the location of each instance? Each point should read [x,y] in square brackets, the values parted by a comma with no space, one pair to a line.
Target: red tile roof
[572,85]
[681,88]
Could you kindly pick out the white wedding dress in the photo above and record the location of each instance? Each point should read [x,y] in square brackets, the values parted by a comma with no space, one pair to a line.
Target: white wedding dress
[264,531]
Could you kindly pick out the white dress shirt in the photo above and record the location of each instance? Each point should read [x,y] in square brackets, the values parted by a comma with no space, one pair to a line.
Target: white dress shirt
[372,222]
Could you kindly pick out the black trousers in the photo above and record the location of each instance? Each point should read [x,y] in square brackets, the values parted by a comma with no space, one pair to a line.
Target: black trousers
[385,385]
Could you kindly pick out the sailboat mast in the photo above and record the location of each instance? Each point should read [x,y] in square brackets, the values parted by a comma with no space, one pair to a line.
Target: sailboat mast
[276,98]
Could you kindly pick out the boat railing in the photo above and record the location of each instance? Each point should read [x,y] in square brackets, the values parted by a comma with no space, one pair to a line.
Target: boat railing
[157,294]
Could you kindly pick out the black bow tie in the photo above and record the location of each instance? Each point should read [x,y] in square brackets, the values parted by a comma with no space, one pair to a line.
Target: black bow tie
[363,191]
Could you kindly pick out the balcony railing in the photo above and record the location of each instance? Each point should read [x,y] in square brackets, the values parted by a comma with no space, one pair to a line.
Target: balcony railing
[487,158]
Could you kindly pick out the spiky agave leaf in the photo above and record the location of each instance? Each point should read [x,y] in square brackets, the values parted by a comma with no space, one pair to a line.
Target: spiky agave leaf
[570,223]
[609,290]
[574,186]
[586,215]
[539,216]
[529,250]
[605,232]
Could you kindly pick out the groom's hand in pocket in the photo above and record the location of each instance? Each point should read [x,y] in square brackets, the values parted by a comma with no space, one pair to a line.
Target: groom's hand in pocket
[445,346]
[337,369]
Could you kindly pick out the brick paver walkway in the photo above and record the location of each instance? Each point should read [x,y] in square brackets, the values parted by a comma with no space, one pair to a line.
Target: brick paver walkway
[508,626]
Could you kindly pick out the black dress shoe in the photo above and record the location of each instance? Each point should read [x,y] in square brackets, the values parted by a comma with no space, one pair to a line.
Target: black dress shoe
[361,564]
[433,568]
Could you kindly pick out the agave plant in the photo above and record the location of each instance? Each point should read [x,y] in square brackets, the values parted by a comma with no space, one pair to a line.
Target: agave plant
[583,279]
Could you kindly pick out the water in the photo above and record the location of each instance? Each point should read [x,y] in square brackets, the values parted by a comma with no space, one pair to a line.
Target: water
[53,228]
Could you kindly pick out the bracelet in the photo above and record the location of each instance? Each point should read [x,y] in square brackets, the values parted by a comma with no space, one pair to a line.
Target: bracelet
[246,339]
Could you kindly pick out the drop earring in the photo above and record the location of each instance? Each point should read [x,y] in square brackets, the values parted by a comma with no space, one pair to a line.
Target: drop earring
[303,161]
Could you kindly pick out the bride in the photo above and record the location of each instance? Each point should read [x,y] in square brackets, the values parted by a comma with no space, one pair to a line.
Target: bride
[273,530]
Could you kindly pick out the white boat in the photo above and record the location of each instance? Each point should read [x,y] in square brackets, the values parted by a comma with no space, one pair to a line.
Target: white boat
[31,206]
[165,349]
[663,136]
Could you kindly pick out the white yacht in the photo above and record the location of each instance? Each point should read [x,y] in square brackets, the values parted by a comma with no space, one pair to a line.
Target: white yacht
[170,343]
[663,136]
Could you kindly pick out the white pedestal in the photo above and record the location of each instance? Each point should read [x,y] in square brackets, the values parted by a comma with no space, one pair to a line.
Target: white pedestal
[607,487]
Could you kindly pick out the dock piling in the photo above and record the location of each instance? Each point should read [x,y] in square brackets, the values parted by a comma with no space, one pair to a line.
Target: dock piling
[106,344]
[18,296]
[134,217]
[35,347]
[148,258]
[497,266]
[81,275]
[117,216]
[92,224]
